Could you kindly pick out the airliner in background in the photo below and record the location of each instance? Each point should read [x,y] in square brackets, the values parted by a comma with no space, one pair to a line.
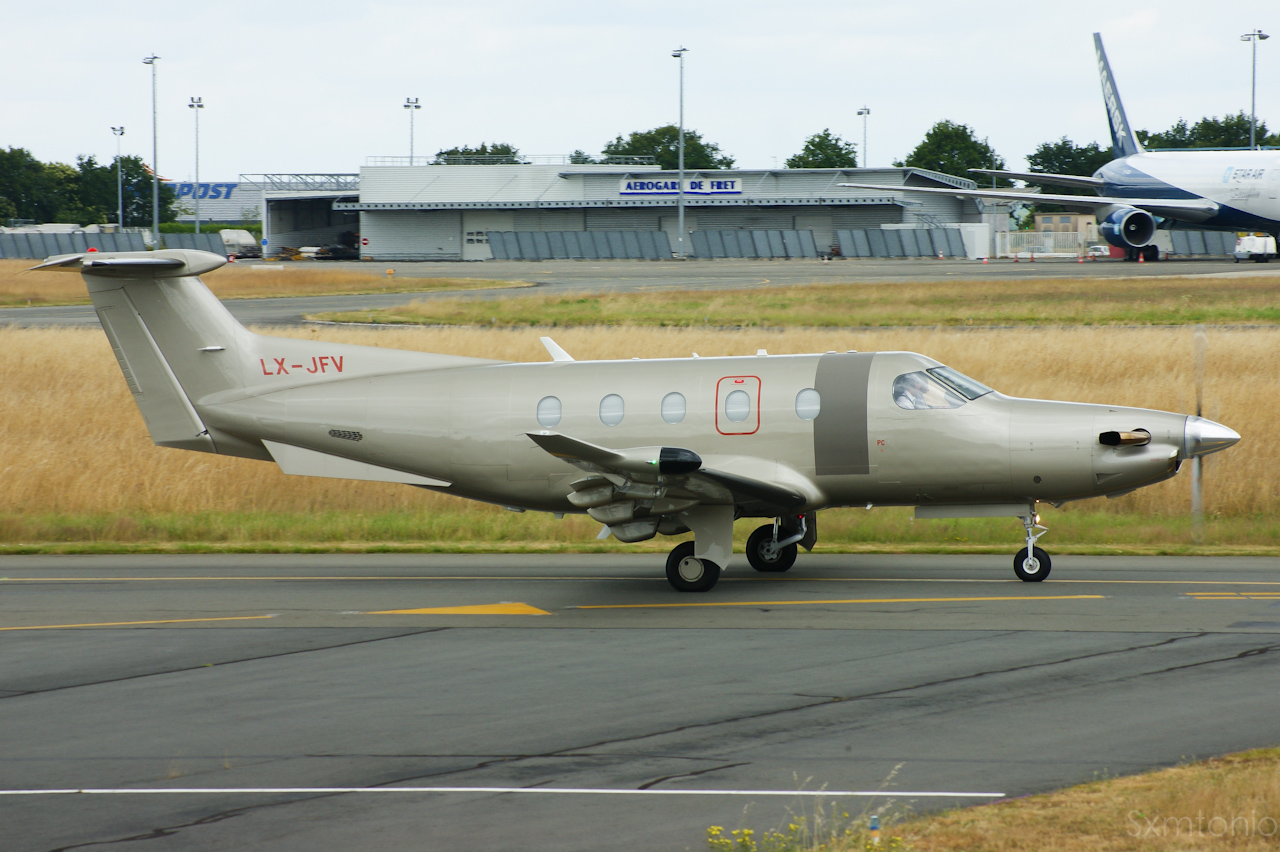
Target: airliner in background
[1141,191]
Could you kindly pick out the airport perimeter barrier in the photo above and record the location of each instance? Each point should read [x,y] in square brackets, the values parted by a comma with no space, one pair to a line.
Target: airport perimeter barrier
[200,242]
[1202,242]
[579,245]
[871,242]
[33,246]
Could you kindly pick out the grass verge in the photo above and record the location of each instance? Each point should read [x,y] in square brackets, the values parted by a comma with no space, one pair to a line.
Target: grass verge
[1230,803]
[466,530]
[1070,301]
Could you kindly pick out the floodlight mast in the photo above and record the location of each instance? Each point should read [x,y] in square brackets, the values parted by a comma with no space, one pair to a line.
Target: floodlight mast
[1255,36]
[679,53]
[411,104]
[119,131]
[864,112]
[196,105]
[155,166]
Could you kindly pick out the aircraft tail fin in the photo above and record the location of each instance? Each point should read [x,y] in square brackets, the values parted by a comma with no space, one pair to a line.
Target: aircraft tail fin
[1123,140]
[173,339]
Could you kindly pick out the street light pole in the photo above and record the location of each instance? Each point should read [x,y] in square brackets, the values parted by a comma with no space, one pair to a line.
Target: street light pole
[119,131]
[1255,36]
[196,105]
[155,166]
[411,104]
[679,53]
[864,112]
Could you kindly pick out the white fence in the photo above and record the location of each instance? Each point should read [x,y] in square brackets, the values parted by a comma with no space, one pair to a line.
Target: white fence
[1041,243]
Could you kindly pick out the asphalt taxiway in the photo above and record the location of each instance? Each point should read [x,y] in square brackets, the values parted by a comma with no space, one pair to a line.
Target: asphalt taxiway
[624,276]
[566,702]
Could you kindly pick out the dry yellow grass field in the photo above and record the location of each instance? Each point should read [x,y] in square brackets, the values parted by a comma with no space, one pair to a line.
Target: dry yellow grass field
[71,440]
[235,281]
[1228,803]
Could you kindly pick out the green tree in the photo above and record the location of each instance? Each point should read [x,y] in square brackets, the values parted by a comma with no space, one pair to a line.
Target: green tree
[825,151]
[25,183]
[463,153]
[1230,131]
[581,158]
[1064,157]
[137,194]
[662,143]
[953,149]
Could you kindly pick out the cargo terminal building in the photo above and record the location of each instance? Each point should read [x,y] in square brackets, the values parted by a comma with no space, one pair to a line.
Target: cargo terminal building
[529,210]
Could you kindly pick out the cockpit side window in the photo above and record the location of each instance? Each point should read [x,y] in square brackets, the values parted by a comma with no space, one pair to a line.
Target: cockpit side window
[959,382]
[921,390]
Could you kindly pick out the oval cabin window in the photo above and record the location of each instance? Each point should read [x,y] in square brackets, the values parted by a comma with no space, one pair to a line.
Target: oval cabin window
[737,406]
[612,410]
[548,411]
[673,407]
[808,404]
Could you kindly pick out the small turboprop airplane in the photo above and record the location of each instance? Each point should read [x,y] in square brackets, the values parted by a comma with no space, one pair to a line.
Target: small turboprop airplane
[1140,190]
[643,446]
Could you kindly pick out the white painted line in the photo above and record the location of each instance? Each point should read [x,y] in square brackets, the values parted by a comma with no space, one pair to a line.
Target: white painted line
[580,791]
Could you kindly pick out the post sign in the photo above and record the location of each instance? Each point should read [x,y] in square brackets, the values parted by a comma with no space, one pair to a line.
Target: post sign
[700,185]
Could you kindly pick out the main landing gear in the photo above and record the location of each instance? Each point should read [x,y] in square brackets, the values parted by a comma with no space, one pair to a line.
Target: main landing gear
[1032,564]
[694,566]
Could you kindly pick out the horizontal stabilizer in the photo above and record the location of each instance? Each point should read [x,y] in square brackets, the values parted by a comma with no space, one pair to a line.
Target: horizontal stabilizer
[297,461]
[169,263]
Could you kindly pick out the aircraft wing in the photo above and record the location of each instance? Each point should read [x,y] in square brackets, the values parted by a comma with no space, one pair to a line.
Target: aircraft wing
[679,470]
[1045,177]
[1181,209]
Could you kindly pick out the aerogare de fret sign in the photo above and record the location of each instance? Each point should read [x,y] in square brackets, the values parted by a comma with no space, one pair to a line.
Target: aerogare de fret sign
[692,186]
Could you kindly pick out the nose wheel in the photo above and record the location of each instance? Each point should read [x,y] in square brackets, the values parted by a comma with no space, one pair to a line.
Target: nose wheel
[1031,568]
[688,573]
[1032,564]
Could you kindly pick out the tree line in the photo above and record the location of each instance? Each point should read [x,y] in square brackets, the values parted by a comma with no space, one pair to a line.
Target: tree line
[84,193]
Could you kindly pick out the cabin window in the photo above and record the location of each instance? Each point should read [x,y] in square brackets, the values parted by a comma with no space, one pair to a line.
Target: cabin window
[673,407]
[737,406]
[808,404]
[612,410]
[921,390]
[548,411]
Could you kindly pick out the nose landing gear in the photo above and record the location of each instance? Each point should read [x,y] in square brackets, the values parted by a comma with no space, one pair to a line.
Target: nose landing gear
[1032,564]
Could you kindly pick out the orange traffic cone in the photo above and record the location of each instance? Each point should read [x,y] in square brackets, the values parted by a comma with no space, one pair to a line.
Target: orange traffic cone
[1142,257]
[984,258]
[1080,259]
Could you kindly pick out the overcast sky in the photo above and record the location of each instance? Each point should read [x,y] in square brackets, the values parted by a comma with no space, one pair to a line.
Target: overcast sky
[318,86]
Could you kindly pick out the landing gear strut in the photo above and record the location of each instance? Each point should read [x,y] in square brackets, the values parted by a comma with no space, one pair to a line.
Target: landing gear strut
[1032,564]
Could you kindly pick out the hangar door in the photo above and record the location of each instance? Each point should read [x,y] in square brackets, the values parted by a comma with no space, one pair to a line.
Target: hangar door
[476,224]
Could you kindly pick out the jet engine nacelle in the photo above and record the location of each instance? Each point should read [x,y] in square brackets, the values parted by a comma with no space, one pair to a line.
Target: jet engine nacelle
[1127,227]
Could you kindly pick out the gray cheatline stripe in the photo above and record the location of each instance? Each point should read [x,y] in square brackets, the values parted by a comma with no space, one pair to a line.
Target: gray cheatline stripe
[597,791]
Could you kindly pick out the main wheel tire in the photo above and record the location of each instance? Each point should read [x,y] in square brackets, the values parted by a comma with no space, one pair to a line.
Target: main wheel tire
[687,573]
[1032,570]
[779,562]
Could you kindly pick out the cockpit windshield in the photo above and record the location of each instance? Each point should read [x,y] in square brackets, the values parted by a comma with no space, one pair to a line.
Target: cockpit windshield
[920,390]
[959,382]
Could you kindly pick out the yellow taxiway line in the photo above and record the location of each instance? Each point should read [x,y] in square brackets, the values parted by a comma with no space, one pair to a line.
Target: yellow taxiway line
[136,623]
[846,601]
[482,609]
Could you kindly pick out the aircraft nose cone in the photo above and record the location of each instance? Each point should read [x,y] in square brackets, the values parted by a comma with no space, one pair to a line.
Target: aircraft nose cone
[1204,436]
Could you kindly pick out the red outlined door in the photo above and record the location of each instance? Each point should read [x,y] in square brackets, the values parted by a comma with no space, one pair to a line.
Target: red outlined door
[738,405]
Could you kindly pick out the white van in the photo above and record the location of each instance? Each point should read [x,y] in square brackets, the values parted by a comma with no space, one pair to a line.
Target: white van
[1255,248]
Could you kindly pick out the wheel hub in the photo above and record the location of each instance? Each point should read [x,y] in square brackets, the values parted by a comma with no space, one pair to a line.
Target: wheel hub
[691,569]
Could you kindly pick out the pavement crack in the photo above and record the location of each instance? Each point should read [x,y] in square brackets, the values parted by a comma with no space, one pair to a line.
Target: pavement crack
[656,781]
[1243,655]
[179,670]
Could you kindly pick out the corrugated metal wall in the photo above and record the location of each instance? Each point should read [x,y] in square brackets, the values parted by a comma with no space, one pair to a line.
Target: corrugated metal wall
[31,246]
[625,218]
[412,235]
[548,220]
